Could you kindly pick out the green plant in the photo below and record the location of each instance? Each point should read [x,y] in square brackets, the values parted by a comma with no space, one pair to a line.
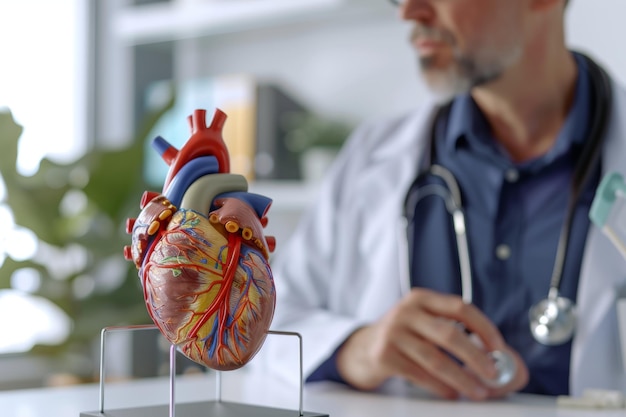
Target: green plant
[307,130]
[83,204]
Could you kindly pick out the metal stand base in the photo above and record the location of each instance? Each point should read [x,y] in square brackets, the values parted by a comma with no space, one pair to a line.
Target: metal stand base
[210,408]
[215,408]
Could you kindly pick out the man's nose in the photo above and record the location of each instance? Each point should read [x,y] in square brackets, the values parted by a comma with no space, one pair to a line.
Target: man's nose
[417,10]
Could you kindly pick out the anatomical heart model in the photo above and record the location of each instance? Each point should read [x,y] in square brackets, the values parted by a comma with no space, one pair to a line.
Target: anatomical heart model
[201,253]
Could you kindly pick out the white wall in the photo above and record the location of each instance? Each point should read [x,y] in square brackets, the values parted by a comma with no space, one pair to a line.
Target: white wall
[597,27]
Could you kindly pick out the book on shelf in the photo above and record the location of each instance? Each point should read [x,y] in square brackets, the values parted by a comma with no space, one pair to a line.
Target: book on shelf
[254,132]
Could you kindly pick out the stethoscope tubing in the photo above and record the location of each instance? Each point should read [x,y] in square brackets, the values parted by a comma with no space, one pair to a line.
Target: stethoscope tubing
[583,172]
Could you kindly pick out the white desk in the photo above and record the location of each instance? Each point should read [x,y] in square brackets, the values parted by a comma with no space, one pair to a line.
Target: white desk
[238,386]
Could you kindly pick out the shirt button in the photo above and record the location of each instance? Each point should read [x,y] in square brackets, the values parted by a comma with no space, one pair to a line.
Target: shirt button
[503,252]
[511,175]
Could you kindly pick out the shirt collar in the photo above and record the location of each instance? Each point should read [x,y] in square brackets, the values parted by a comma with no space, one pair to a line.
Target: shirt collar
[467,124]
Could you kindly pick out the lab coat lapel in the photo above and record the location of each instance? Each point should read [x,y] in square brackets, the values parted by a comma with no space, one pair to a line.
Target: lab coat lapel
[596,354]
[400,157]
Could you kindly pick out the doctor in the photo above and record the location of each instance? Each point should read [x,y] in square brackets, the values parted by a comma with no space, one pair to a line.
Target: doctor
[522,107]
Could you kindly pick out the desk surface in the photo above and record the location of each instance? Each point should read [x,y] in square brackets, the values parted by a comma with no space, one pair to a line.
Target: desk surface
[239,386]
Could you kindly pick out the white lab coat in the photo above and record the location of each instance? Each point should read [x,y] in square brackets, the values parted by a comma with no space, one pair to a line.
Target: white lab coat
[346,263]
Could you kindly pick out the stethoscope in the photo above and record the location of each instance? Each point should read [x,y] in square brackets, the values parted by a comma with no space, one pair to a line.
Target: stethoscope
[553,319]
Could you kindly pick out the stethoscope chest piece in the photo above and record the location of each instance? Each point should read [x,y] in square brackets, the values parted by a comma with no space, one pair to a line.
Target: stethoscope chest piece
[506,367]
[553,320]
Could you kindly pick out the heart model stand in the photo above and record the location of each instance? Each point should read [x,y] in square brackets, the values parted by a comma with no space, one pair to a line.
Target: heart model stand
[203,262]
[212,408]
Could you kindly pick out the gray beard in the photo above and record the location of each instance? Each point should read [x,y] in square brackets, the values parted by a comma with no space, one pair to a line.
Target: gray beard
[465,74]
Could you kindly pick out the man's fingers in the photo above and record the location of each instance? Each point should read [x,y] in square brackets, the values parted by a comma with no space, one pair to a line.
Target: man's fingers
[438,368]
[452,338]
[425,340]
[453,308]
[408,369]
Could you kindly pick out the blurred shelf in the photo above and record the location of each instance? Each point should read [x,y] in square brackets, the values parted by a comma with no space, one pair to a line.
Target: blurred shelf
[184,19]
[286,195]
[24,371]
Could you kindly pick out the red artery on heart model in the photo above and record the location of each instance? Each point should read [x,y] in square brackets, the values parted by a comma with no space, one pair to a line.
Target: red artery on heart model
[202,257]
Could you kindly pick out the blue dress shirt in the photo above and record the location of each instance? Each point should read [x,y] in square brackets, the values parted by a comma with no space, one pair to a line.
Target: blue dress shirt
[514,213]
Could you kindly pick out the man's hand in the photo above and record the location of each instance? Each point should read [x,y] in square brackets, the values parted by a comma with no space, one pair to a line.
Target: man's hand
[419,340]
